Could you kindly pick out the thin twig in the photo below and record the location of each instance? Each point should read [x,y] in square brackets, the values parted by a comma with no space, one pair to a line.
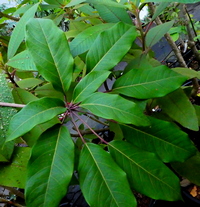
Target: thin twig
[90,128]
[12,105]
[73,121]
[3,200]
[14,191]
[9,17]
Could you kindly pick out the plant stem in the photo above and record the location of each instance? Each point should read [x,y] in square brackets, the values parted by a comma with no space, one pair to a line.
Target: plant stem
[9,17]
[14,191]
[12,105]
[90,128]
[73,121]
[3,200]
[169,39]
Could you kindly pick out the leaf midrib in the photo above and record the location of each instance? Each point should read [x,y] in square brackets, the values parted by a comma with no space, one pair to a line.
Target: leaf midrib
[141,167]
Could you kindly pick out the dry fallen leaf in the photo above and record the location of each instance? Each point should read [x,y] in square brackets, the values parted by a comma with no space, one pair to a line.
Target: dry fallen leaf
[194,191]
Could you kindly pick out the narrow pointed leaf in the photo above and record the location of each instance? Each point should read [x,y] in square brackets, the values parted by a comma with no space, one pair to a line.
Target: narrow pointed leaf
[157,32]
[145,172]
[101,180]
[60,3]
[22,61]
[113,14]
[179,102]
[83,41]
[18,33]
[89,84]
[34,113]
[148,83]
[162,6]
[187,72]
[49,49]
[111,106]
[163,138]
[110,47]
[50,168]
[106,2]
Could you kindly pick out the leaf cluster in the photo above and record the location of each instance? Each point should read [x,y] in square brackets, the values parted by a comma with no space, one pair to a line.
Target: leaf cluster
[69,94]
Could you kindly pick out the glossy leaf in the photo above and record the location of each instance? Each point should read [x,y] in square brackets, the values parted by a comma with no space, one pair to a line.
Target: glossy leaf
[14,174]
[21,96]
[163,138]
[179,102]
[157,32]
[6,113]
[110,47]
[22,61]
[187,72]
[32,136]
[111,106]
[83,41]
[74,2]
[189,169]
[148,83]
[34,113]
[50,51]
[47,90]
[110,3]
[18,33]
[113,14]
[60,3]
[29,82]
[89,84]
[146,173]
[162,6]
[101,180]
[50,168]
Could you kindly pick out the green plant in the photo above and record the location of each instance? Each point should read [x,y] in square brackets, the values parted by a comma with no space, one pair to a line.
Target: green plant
[56,78]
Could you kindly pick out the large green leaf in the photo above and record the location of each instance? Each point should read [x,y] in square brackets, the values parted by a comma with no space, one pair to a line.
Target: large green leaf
[157,32]
[50,51]
[22,96]
[29,82]
[83,41]
[189,169]
[14,174]
[6,113]
[113,14]
[110,3]
[148,83]
[110,47]
[89,84]
[112,106]
[145,172]
[34,113]
[22,61]
[178,106]
[163,138]
[102,182]
[50,168]
[18,33]
[60,3]
[31,137]
[187,72]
